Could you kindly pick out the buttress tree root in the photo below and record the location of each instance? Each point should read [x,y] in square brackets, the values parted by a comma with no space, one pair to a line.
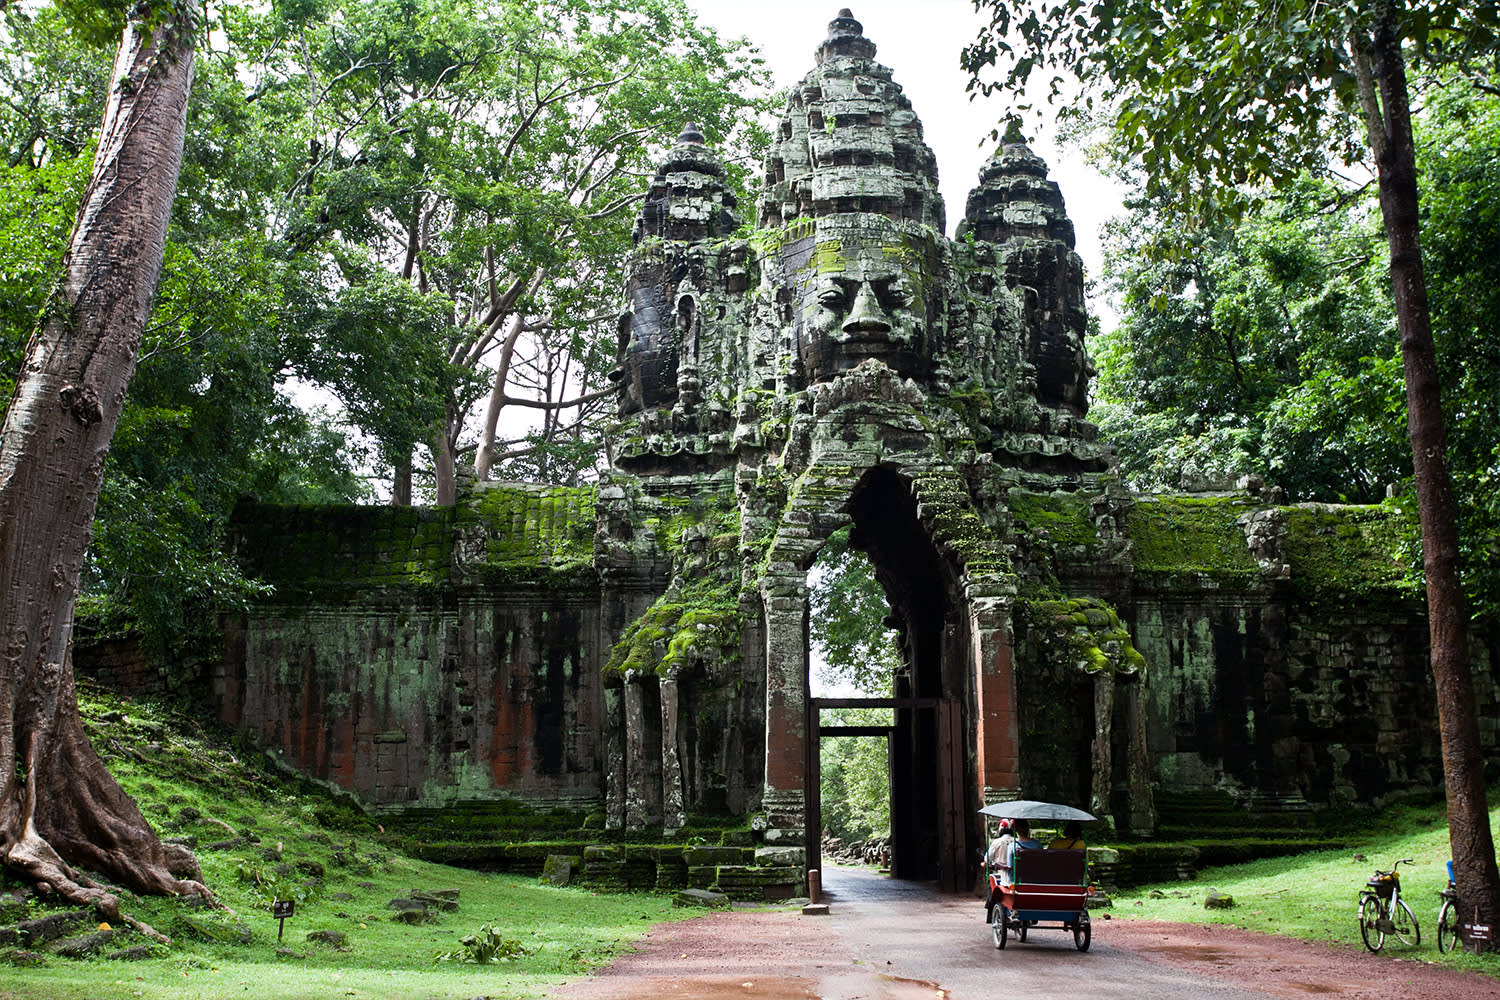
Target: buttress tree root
[61,812]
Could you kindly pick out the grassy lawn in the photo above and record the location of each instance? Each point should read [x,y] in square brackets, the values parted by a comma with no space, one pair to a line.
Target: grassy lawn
[1314,895]
[556,934]
[261,837]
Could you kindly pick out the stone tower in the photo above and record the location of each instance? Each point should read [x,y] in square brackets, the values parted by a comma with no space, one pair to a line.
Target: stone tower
[847,363]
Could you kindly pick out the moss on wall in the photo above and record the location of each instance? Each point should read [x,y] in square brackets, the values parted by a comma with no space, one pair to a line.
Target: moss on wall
[944,505]
[1354,550]
[1063,518]
[294,547]
[1199,535]
[699,617]
[532,526]
[1083,631]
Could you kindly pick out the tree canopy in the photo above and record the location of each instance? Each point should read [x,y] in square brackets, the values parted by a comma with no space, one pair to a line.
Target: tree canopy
[376,199]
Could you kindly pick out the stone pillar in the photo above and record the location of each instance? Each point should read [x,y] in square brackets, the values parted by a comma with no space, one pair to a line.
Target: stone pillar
[672,814]
[636,801]
[784,800]
[614,757]
[1102,758]
[997,733]
[1142,808]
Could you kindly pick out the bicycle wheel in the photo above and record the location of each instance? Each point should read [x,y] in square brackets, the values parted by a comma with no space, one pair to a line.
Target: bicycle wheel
[1447,931]
[1369,922]
[1404,924]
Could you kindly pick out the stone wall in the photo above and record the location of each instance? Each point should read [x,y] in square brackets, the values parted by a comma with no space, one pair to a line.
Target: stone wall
[428,658]
[409,701]
[1284,648]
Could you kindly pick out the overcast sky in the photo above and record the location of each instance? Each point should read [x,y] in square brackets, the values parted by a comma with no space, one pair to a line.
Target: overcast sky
[920,40]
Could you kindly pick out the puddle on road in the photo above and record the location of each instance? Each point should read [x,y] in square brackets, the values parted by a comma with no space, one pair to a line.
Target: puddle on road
[913,989]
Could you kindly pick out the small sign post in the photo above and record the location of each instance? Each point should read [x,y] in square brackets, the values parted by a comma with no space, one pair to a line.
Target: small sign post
[1478,932]
[281,909]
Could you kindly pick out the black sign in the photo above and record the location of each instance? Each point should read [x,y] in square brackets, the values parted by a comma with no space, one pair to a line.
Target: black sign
[283,908]
[1478,932]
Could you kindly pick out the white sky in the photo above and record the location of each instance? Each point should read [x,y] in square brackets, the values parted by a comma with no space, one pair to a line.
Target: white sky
[920,40]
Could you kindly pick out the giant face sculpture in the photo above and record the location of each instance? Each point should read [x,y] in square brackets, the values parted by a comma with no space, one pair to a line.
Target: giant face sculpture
[860,290]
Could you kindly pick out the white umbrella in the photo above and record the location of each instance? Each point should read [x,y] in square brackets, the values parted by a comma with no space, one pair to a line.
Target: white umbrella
[1030,809]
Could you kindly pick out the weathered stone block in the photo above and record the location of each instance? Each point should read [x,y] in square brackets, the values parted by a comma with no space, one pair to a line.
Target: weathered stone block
[701,898]
[695,856]
[559,868]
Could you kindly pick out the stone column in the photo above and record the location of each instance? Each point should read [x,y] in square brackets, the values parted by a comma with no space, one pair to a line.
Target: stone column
[784,801]
[636,808]
[997,733]
[614,757]
[1103,753]
[672,814]
[1142,808]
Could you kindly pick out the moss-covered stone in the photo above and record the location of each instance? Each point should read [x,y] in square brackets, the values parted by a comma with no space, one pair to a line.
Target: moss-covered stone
[1192,535]
[1085,632]
[530,527]
[1354,550]
[1061,518]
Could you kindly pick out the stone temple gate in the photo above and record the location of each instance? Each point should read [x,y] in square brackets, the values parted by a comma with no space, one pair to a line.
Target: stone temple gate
[843,366]
[637,650]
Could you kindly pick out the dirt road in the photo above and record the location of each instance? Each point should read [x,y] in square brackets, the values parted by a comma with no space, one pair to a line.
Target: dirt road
[887,940]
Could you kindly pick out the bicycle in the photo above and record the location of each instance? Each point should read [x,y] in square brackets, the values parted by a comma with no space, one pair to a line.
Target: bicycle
[1382,911]
[1447,926]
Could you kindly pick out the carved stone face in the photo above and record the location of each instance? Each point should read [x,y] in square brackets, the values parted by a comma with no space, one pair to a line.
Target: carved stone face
[862,295]
[648,348]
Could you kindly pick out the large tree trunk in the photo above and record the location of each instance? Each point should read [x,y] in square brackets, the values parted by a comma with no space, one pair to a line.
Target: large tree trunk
[59,806]
[1447,609]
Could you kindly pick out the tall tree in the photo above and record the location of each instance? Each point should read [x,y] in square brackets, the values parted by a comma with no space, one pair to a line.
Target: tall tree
[1212,97]
[204,421]
[60,806]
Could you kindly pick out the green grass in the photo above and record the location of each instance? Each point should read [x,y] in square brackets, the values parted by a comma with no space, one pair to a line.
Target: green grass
[1314,895]
[295,841]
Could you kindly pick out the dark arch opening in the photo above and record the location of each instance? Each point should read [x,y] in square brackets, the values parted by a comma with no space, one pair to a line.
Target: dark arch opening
[928,773]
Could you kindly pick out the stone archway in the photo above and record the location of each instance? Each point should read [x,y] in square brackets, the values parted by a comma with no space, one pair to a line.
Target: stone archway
[953,740]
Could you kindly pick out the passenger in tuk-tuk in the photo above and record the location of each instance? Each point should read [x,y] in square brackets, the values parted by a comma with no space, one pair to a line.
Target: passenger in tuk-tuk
[1023,837]
[1071,839]
[997,858]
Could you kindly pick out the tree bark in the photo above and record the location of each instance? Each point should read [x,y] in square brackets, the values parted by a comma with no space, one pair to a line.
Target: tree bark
[59,806]
[1469,832]
[444,464]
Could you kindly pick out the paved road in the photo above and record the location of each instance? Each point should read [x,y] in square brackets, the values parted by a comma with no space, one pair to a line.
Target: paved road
[882,940]
[942,940]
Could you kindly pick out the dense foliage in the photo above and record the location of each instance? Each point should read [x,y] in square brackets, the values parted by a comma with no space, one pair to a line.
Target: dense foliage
[1266,345]
[854,654]
[407,205]
[852,649]
[1218,101]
